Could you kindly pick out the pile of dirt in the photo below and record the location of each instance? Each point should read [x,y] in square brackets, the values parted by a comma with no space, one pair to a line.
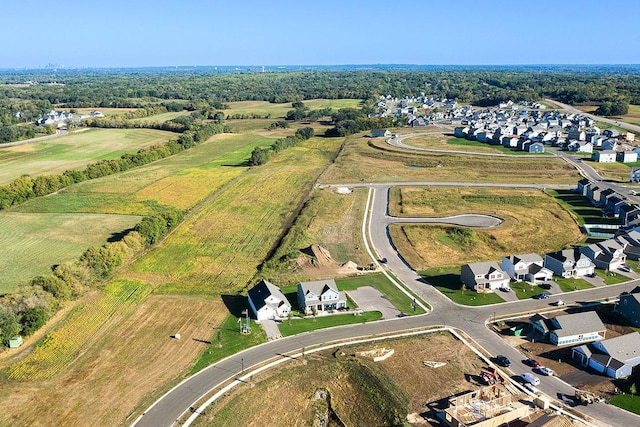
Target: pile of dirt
[318,261]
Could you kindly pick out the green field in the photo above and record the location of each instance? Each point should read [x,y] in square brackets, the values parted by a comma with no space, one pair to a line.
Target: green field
[159,118]
[179,181]
[263,108]
[74,151]
[32,243]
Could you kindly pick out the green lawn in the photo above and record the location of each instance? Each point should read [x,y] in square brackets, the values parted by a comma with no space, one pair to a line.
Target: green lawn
[524,290]
[32,243]
[297,326]
[447,281]
[628,402]
[229,341]
[280,110]
[611,278]
[75,151]
[581,207]
[388,289]
[159,118]
[568,285]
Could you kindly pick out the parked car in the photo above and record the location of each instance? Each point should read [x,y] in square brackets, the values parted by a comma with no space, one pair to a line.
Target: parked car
[503,360]
[543,295]
[531,388]
[530,378]
[559,303]
[505,289]
[546,371]
[545,285]
[625,268]
[532,362]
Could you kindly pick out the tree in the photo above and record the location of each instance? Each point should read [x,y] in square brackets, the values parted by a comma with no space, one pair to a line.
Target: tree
[259,156]
[33,319]
[305,133]
[9,326]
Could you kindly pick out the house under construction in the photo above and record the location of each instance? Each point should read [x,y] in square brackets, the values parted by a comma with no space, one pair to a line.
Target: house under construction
[489,406]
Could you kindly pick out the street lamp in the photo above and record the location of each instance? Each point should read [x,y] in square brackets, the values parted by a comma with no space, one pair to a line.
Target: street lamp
[242,364]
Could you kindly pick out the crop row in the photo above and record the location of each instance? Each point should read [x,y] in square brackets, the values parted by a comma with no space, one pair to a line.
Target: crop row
[61,347]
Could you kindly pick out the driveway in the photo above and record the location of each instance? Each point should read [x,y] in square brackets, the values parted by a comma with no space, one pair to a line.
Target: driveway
[271,329]
[368,299]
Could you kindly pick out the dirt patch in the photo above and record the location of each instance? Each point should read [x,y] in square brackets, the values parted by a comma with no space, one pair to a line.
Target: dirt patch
[317,262]
[133,362]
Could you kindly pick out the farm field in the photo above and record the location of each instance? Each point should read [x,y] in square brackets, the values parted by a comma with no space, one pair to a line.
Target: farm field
[108,112]
[366,159]
[130,355]
[533,222]
[178,181]
[385,391]
[263,108]
[159,118]
[32,243]
[220,246]
[74,151]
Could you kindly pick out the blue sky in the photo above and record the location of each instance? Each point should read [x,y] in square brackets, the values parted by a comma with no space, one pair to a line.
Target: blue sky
[118,33]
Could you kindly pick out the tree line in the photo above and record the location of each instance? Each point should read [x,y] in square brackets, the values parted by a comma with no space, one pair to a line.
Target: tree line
[260,155]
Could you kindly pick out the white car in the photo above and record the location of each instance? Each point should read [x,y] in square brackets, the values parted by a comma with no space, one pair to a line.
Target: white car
[546,371]
[530,378]
[559,303]
[531,388]
[505,289]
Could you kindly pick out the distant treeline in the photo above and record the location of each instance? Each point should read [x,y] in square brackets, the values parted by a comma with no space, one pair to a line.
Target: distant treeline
[482,85]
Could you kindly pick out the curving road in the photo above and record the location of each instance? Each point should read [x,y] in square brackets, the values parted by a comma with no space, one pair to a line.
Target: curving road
[472,320]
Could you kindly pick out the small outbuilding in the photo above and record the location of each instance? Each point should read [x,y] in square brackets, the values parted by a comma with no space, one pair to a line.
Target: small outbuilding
[15,342]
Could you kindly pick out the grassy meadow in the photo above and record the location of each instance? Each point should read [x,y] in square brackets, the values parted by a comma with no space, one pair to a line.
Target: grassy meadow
[533,222]
[74,151]
[32,243]
[220,246]
[372,160]
[159,118]
[275,110]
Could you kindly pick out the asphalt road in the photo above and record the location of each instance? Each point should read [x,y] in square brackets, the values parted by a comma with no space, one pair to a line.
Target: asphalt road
[471,320]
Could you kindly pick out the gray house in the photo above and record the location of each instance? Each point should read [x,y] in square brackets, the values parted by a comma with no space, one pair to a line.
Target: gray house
[569,329]
[483,276]
[607,255]
[629,307]
[614,357]
[319,296]
[569,263]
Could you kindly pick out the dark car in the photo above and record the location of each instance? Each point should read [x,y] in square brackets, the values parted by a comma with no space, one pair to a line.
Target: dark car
[532,362]
[503,360]
[545,285]
[543,295]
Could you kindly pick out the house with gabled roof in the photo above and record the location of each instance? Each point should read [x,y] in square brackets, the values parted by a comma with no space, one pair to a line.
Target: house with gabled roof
[569,329]
[529,267]
[483,276]
[375,133]
[320,296]
[605,156]
[607,255]
[569,263]
[268,302]
[628,306]
[615,357]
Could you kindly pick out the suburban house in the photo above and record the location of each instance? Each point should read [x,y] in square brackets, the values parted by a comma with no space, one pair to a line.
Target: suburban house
[483,276]
[534,147]
[614,357]
[607,255]
[627,156]
[605,156]
[380,132]
[569,329]
[529,267]
[569,263]
[319,296]
[628,306]
[268,302]
[631,242]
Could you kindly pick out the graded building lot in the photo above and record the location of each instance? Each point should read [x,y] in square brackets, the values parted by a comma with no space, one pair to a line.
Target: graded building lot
[75,151]
[446,142]
[132,355]
[366,159]
[361,392]
[533,222]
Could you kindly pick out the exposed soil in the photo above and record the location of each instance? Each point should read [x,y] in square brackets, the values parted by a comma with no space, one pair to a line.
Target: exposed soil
[317,262]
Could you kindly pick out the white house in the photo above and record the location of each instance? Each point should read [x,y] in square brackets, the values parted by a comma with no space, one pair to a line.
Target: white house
[570,328]
[268,302]
[605,156]
[627,156]
[319,296]
[526,267]
[607,255]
